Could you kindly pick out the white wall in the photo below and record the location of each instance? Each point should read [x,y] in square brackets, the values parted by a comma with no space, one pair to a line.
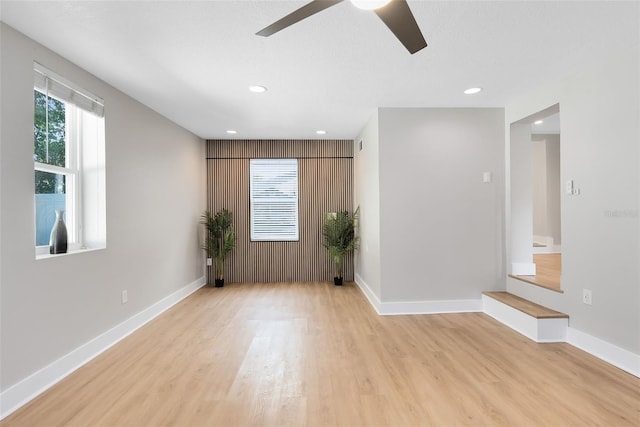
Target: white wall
[155,195]
[600,227]
[367,197]
[554,188]
[539,206]
[546,187]
[521,201]
[441,227]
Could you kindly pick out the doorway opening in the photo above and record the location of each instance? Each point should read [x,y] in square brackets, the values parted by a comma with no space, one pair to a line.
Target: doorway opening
[536,223]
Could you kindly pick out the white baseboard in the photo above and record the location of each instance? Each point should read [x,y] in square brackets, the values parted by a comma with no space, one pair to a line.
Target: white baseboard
[418,307]
[545,240]
[618,357]
[553,249]
[368,293]
[431,307]
[19,394]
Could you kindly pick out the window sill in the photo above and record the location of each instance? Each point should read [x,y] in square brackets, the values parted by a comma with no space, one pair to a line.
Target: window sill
[70,252]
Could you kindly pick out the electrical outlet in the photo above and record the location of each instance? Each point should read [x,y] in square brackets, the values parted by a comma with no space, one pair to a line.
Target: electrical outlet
[125,297]
[209,262]
[586,296]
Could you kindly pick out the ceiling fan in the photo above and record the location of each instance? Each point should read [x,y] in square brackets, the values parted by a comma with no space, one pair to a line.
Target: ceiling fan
[394,13]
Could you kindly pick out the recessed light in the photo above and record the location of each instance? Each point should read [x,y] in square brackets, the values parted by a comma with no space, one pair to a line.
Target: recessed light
[538,122]
[232,132]
[321,132]
[472,90]
[257,89]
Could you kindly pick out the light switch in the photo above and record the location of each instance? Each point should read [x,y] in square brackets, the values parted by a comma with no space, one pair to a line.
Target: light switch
[569,186]
[486,177]
[571,189]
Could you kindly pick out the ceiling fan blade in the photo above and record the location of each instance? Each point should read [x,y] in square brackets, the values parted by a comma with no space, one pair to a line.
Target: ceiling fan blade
[398,17]
[298,15]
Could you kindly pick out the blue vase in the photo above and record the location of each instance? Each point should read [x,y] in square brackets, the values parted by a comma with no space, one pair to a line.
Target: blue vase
[58,238]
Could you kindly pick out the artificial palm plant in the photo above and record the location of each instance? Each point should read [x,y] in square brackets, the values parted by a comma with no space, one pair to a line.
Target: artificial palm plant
[220,239]
[339,239]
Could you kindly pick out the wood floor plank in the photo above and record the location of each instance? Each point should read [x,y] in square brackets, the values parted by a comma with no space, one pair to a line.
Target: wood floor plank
[312,354]
[548,272]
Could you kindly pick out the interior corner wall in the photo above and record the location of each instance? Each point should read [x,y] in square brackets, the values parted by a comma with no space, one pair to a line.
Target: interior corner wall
[539,206]
[325,182]
[441,226]
[600,130]
[367,198]
[521,224]
[546,188]
[554,188]
[155,186]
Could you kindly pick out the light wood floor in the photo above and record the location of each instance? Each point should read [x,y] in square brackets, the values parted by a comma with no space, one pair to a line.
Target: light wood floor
[548,271]
[315,354]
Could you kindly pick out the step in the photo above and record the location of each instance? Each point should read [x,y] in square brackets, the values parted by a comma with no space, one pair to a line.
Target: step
[534,321]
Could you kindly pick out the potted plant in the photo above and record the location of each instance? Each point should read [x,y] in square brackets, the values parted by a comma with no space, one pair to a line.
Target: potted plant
[220,240]
[339,239]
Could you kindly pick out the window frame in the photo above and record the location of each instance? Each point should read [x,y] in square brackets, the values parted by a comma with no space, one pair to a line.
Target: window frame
[80,109]
[72,173]
[257,235]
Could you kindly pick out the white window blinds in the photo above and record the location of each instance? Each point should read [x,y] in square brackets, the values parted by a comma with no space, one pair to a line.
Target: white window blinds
[50,84]
[274,199]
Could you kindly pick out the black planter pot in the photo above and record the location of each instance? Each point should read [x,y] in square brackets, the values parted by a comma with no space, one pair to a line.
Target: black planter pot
[337,281]
[219,283]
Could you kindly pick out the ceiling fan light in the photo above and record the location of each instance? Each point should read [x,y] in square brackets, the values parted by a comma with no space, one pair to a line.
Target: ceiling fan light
[369,4]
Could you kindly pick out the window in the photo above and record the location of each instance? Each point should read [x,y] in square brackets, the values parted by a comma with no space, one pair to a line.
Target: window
[274,199]
[68,134]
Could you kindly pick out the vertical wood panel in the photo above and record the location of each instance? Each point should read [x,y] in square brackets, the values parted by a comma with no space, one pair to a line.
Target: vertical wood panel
[325,175]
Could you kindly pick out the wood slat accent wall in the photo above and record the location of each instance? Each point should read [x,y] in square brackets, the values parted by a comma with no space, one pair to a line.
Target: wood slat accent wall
[325,179]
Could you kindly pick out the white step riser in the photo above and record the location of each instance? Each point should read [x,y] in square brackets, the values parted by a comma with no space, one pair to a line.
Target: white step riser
[539,330]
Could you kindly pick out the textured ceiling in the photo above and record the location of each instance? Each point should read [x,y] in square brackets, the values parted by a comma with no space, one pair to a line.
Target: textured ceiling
[192,61]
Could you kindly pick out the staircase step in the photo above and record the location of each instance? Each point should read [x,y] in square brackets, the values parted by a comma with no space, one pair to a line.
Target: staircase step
[535,321]
[531,308]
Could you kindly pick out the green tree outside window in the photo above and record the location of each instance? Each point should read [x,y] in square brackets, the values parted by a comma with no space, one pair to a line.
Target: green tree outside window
[50,152]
